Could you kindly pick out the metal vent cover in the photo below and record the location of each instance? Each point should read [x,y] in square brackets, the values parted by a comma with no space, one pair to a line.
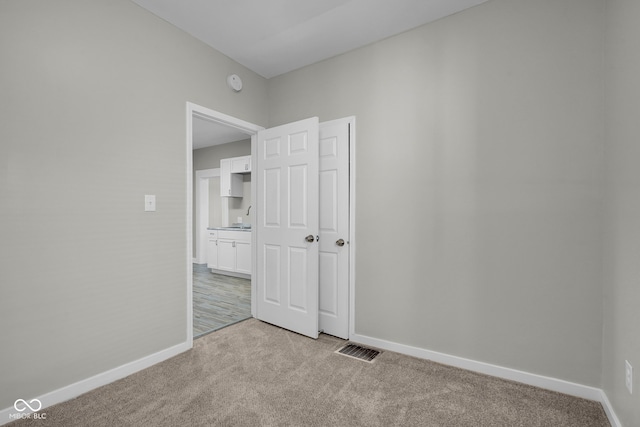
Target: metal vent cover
[357,352]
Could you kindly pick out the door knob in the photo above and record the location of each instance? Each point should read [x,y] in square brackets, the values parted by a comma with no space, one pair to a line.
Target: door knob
[309,238]
[340,242]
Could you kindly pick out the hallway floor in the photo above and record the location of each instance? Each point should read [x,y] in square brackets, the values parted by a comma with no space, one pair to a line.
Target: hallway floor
[218,300]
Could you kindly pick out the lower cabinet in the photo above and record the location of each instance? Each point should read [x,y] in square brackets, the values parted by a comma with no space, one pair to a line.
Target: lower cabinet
[243,257]
[232,250]
[226,255]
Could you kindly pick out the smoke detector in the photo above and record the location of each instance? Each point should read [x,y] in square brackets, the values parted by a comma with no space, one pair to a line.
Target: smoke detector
[235,82]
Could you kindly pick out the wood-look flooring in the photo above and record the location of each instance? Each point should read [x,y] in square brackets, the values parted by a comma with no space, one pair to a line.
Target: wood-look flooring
[218,300]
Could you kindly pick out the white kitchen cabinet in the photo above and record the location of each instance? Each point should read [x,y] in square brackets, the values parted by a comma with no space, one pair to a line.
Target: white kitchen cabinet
[243,257]
[226,255]
[230,183]
[212,249]
[241,164]
[233,251]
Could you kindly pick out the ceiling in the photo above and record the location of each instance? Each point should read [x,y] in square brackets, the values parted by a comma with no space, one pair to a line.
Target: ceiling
[272,37]
[206,133]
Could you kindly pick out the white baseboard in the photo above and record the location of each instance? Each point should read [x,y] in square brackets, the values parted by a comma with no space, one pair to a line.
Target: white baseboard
[74,390]
[613,418]
[231,273]
[549,383]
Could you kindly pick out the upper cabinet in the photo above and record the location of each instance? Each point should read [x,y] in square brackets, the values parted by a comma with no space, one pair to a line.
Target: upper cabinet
[231,171]
[230,183]
[241,164]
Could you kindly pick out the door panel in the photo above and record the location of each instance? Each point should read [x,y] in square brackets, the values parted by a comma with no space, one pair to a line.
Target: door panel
[334,225]
[329,285]
[298,215]
[271,201]
[272,274]
[298,272]
[287,200]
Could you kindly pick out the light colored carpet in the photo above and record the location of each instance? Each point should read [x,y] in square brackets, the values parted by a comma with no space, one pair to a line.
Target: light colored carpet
[255,374]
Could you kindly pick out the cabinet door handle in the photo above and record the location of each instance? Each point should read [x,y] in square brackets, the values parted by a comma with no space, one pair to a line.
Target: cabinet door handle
[233,244]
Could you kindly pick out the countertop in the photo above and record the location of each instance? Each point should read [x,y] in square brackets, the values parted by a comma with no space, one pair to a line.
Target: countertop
[230,228]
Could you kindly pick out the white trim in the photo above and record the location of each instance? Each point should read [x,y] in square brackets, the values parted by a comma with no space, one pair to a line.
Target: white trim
[230,273]
[221,118]
[549,383]
[76,389]
[194,110]
[254,242]
[352,225]
[202,211]
[608,409]
[189,230]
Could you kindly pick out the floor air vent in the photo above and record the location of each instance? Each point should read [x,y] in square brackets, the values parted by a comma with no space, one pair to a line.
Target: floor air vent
[357,352]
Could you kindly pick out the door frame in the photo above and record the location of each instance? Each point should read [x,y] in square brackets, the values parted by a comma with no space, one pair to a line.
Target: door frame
[203,183]
[195,110]
[203,180]
[352,226]
[251,129]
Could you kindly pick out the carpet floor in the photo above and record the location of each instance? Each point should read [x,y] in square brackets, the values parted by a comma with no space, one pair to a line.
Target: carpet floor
[255,374]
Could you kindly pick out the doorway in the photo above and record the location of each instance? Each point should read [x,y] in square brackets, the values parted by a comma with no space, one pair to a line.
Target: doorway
[197,240]
[221,129]
[219,300]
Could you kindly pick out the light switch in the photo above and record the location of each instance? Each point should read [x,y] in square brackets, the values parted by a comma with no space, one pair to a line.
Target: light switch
[149,203]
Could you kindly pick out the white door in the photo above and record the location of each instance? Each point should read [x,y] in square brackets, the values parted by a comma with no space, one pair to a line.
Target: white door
[287,222]
[334,228]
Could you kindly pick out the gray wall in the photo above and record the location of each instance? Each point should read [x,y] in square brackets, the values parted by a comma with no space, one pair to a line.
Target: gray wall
[622,237]
[495,115]
[209,158]
[487,128]
[238,206]
[93,118]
